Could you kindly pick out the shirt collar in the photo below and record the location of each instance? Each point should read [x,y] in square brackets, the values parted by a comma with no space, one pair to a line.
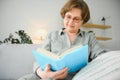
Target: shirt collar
[62,33]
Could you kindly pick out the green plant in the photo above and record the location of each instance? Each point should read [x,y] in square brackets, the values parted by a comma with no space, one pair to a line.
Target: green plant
[24,38]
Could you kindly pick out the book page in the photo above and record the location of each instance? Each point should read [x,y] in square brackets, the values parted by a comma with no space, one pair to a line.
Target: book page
[69,50]
[48,53]
[55,56]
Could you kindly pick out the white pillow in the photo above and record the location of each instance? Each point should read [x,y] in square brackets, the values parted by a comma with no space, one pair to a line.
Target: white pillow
[104,67]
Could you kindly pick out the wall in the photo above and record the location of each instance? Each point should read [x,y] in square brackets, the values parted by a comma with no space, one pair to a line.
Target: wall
[32,15]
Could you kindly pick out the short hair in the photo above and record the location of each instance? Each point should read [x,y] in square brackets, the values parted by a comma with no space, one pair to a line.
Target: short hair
[80,4]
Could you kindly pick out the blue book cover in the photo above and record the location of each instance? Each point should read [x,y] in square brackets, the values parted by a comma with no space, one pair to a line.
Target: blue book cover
[73,58]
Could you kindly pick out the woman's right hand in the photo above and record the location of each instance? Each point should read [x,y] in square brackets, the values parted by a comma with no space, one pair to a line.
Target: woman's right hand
[48,73]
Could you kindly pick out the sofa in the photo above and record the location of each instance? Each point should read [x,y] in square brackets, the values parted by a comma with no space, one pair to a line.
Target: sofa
[16,60]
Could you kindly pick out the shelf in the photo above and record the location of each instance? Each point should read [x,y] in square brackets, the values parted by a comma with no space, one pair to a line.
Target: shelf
[90,25]
[99,26]
[103,38]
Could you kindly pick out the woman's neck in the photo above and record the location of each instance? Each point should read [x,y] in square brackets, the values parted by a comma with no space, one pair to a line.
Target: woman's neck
[72,33]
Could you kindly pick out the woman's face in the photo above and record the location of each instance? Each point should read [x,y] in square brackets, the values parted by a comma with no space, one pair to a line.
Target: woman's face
[73,20]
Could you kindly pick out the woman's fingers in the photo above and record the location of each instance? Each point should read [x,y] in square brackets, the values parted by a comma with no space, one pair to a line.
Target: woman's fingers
[47,68]
[47,73]
[61,74]
[62,71]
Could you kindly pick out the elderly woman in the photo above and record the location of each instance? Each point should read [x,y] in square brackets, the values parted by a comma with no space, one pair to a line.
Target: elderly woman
[74,13]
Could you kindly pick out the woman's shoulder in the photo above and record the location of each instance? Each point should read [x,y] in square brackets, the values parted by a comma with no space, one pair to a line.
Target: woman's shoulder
[55,32]
[87,33]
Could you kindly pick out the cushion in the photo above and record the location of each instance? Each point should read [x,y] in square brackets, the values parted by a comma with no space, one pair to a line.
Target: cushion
[104,67]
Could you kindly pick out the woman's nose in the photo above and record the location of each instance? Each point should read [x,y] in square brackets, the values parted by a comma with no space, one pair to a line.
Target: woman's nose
[71,21]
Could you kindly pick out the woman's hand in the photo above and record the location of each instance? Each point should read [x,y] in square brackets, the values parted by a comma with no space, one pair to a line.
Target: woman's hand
[47,73]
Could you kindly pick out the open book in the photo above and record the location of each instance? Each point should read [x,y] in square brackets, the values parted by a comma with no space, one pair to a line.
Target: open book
[74,58]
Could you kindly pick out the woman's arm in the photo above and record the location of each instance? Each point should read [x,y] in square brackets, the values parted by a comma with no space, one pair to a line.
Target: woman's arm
[94,47]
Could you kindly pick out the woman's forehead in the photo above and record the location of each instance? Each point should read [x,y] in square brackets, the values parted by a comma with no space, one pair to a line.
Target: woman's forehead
[74,12]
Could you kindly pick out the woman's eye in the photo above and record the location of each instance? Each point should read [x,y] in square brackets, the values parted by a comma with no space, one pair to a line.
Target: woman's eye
[68,17]
[76,19]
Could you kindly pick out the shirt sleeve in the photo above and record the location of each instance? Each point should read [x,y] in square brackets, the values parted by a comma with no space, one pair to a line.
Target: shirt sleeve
[95,49]
[35,67]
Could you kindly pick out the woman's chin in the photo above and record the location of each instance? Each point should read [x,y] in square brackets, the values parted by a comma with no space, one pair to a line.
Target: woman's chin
[71,30]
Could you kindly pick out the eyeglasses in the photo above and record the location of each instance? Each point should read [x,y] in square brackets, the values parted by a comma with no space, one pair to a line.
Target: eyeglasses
[75,19]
